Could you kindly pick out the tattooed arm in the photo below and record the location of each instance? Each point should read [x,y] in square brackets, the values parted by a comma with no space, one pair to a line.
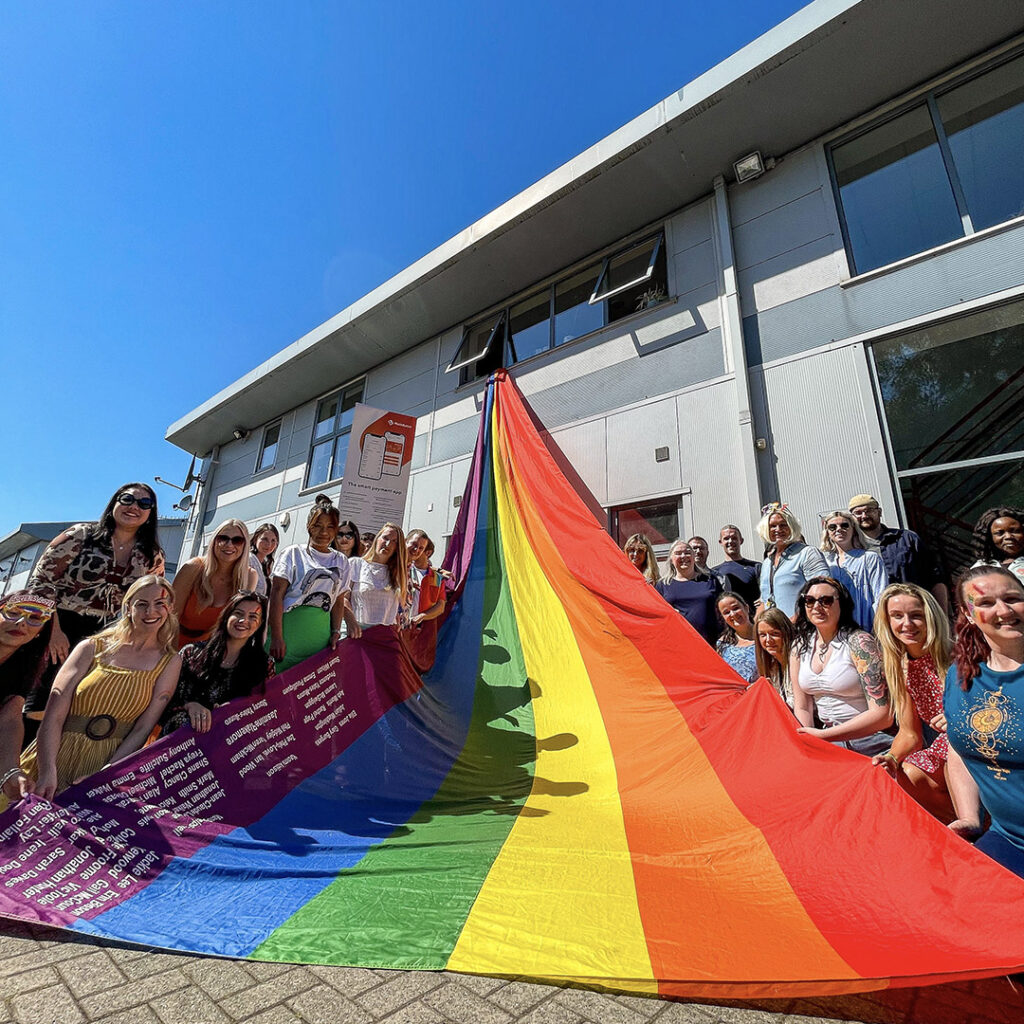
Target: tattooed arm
[867,657]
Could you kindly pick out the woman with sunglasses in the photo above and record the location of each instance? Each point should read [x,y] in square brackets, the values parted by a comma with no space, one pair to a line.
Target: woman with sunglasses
[87,570]
[231,664]
[789,562]
[639,551]
[380,581]
[836,669]
[348,541]
[862,572]
[203,586]
[309,596]
[110,692]
[25,623]
[774,644]
[265,541]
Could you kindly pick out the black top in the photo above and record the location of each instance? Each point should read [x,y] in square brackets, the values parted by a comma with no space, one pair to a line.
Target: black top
[745,577]
[695,601]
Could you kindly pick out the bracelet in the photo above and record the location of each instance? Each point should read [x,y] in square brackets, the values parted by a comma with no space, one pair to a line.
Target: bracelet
[892,757]
[11,773]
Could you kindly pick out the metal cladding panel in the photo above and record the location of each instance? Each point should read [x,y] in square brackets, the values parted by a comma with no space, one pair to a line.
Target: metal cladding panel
[253,506]
[781,230]
[971,270]
[429,500]
[405,396]
[712,467]
[694,267]
[460,474]
[633,436]
[793,274]
[796,175]
[453,440]
[823,434]
[585,445]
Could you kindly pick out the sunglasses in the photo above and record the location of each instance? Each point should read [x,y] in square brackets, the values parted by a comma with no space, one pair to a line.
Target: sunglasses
[836,527]
[223,538]
[826,601]
[29,612]
[130,499]
[346,533]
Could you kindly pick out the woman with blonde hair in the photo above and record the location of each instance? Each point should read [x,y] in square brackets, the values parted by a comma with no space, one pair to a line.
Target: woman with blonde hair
[203,586]
[916,654]
[380,581]
[789,562]
[308,598]
[639,551]
[110,692]
[862,572]
[774,634]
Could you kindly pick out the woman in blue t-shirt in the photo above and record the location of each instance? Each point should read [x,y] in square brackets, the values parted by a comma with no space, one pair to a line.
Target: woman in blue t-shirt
[984,706]
[691,591]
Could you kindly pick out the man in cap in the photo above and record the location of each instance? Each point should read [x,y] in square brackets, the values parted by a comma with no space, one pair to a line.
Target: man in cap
[907,558]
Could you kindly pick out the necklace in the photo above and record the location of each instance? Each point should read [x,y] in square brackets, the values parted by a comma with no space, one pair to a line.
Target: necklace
[821,648]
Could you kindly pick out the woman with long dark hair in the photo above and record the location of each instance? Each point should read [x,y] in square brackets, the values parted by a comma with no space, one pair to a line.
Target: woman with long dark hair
[87,570]
[265,541]
[308,599]
[774,644]
[999,539]
[25,623]
[737,645]
[983,703]
[232,663]
[836,670]
[110,692]
[347,539]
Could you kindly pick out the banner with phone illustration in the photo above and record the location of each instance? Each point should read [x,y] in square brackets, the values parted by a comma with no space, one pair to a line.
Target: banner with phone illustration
[376,482]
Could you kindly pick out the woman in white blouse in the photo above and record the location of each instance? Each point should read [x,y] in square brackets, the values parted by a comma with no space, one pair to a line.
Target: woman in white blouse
[380,581]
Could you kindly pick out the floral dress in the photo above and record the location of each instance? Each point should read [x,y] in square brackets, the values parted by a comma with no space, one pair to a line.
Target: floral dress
[925,689]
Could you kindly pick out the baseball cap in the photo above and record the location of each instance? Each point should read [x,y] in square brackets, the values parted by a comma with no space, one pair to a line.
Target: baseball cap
[862,499]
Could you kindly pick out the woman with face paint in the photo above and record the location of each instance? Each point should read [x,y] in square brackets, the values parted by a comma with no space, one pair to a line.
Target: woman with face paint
[999,540]
[984,707]
[25,623]
[231,664]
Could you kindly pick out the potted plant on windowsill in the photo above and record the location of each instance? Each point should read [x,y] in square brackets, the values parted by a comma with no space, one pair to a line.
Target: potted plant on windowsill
[651,297]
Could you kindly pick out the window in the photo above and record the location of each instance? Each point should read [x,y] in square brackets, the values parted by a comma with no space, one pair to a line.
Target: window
[660,520]
[953,400]
[331,429]
[625,282]
[268,449]
[945,168]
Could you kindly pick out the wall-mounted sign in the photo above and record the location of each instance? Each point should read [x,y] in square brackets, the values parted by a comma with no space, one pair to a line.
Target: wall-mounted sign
[376,481]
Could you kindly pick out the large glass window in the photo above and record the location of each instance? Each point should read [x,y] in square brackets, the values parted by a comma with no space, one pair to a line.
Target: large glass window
[953,397]
[625,282]
[268,449]
[331,429]
[947,167]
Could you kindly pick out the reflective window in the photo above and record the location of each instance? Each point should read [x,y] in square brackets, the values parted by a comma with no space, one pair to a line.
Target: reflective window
[659,520]
[331,428]
[895,193]
[530,326]
[984,121]
[574,315]
[268,449]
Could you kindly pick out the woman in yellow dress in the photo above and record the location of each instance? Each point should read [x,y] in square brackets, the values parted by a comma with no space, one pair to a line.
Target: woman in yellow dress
[109,693]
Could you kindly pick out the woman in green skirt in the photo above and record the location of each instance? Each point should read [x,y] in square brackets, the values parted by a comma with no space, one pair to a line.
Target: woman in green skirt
[310,587]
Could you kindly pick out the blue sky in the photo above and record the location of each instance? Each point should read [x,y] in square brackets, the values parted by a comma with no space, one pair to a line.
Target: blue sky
[186,188]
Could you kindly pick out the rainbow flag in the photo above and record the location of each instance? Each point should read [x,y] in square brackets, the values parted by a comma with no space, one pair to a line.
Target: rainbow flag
[576,789]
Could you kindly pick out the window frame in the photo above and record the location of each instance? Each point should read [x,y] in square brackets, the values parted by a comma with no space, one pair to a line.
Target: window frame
[260,468]
[468,332]
[928,99]
[333,435]
[598,296]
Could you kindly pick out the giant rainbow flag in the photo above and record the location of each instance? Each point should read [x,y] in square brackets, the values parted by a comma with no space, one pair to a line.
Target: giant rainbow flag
[576,789]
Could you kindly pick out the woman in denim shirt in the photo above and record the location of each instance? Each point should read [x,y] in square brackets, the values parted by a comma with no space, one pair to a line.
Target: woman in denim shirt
[789,563]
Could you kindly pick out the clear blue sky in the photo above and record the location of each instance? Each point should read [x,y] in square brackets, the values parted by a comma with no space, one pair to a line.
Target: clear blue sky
[186,188]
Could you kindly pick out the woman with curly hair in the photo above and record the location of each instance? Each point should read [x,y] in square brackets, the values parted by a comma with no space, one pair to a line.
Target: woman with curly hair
[983,703]
[109,693]
[789,562]
[203,586]
[231,664]
[999,539]
[836,669]
[639,551]
[916,650]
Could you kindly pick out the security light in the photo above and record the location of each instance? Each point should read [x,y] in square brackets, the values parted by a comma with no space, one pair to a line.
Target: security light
[749,167]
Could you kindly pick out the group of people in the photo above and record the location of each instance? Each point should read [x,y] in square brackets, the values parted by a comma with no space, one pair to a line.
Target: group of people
[855,637]
[100,654]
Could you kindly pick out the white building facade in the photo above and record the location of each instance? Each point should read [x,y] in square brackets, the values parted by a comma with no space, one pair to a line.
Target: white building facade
[850,320]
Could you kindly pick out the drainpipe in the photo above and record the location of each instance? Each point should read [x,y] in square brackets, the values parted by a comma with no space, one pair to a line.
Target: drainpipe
[204,500]
[735,352]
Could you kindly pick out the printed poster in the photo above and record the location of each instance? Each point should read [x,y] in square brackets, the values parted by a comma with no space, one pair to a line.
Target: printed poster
[376,481]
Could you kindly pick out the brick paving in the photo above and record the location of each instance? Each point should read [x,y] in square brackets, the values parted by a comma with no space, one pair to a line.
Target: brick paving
[53,977]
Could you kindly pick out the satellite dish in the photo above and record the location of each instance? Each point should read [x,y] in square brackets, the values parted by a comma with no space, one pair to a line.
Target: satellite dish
[185,503]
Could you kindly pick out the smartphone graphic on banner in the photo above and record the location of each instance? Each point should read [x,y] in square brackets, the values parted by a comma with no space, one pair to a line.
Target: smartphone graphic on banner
[371,458]
[394,451]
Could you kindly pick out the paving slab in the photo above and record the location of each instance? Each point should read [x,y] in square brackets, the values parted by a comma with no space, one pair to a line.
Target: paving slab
[52,977]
